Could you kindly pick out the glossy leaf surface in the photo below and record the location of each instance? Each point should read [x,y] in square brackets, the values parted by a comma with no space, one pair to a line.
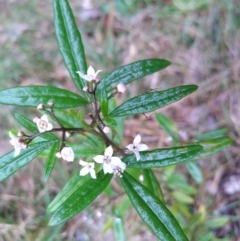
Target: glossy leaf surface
[152,211]
[32,96]
[215,145]
[163,157]
[152,101]
[104,102]
[70,42]
[10,164]
[128,73]
[152,183]
[51,159]
[80,198]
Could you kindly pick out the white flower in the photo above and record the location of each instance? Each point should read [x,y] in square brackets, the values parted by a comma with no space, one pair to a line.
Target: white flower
[121,88]
[43,124]
[88,168]
[110,163]
[91,74]
[18,145]
[66,154]
[106,129]
[136,147]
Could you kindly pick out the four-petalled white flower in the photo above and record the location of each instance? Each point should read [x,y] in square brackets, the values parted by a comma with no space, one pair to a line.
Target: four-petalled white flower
[135,147]
[88,167]
[91,74]
[66,154]
[43,124]
[18,145]
[110,163]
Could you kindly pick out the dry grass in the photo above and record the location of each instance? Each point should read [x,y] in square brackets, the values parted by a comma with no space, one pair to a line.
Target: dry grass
[203,45]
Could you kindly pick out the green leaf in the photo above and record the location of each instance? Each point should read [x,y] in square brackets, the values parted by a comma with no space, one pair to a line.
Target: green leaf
[151,101]
[70,42]
[51,159]
[182,197]
[212,134]
[118,229]
[167,125]
[152,211]
[110,121]
[104,103]
[195,171]
[10,164]
[152,184]
[32,96]
[71,186]
[217,222]
[29,125]
[215,145]
[128,73]
[68,118]
[80,198]
[163,157]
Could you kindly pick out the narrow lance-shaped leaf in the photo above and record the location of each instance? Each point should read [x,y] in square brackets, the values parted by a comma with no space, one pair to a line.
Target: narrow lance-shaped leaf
[104,103]
[152,101]
[51,159]
[10,164]
[70,42]
[29,125]
[215,145]
[152,211]
[163,157]
[152,184]
[128,73]
[71,186]
[80,199]
[32,96]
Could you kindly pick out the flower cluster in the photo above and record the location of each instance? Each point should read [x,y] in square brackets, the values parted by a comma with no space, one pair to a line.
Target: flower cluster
[112,164]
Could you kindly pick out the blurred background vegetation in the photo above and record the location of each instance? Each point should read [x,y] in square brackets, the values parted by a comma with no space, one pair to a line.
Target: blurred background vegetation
[202,40]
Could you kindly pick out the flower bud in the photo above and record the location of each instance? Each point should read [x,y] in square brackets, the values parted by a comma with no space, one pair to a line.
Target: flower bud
[106,129]
[50,104]
[121,88]
[67,134]
[85,88]
[41,106]
[21,134]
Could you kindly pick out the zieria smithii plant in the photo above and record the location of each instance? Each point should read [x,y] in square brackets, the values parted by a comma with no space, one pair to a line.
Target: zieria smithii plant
[63,134]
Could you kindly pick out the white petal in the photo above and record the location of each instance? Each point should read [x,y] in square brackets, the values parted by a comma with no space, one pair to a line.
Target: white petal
[130,147]
[108,151]
[41,129]
[142,147]
[49,127]
[83,163]
[90,71]
[44,118]
[98,159]
[115,161]
[67,154]
[11,135]
[17,151]
[107,168]
[84,171]
[95,75]
[85,76]
[122,165]
[93,174]
[58,155]
[137,139]
[137,155]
